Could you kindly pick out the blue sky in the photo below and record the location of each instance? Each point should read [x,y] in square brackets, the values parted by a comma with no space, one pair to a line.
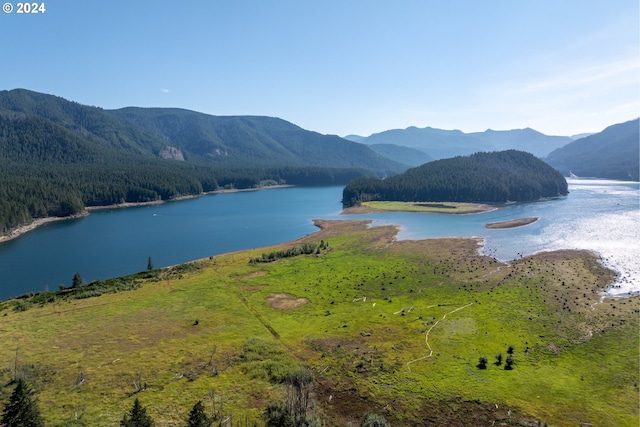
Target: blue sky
[340,66]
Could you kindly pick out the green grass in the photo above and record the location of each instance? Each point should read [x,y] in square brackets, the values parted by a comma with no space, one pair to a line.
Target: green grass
[572,363]
[439,207]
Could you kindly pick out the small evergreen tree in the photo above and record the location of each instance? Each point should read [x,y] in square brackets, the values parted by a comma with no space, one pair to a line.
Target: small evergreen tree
[510,349]
[77,281]
[276,415]
[137,417]
[197,416]
[149,264]
[508,364]
[374,420]
[482,362]
[21,411]
[499,359]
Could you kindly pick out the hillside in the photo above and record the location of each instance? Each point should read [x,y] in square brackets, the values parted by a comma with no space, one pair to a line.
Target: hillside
[404,155]
[58,156]
[613,153]
[495,177]
[443,144]
[398,328]
[251,140]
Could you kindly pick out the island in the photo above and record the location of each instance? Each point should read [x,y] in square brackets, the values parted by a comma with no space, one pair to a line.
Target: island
[493,178]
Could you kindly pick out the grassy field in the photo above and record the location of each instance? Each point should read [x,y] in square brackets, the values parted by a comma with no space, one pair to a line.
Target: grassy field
[438,207]
[392,327]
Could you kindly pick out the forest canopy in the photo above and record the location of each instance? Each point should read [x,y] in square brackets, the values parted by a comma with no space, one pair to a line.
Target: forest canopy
[495,177]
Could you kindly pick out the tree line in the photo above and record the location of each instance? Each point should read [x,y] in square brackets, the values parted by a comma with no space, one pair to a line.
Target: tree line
[22,410]
[38,190]
[495,177]
[305,249]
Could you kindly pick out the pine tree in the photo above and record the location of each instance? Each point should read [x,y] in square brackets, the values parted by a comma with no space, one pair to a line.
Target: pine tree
[77,281]
[149,264]
[21,411]
[137,417]
[197,416]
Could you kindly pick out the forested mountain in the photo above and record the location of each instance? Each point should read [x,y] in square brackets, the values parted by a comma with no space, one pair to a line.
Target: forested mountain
[251,140]
[57,156]
[237,141]
[613,154]
[495,177]
[405,155]
[442,144]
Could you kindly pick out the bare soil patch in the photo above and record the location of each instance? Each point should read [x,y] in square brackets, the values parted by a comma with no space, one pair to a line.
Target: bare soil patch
[284,301]
[255,274]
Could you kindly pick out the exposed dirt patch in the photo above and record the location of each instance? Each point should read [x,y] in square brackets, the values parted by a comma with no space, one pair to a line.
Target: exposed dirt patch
[330,228]
[255,274]
[250,288]
[284,301]
[344,405]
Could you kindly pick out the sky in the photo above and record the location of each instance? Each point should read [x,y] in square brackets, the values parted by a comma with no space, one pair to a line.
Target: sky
[562,67]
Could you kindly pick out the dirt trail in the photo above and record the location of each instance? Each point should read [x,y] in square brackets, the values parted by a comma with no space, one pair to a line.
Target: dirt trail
[426,338]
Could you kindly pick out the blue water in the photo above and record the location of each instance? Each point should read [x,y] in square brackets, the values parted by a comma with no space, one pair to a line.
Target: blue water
[602,216]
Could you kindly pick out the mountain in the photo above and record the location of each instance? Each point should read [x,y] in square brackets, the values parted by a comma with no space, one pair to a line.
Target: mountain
[58,156]
[450,143]
[238,141]
[355,138]
[405,155]
[527,139]
[251,140]
[580,135]
[612,154]
[495,177]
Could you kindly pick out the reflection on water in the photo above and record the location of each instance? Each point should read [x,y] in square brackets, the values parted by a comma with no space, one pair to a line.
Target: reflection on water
[598,215]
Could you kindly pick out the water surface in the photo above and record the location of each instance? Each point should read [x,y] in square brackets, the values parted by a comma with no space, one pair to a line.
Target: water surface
[598,215]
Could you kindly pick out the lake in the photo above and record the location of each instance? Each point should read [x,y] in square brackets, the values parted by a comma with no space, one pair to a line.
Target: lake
[599,215]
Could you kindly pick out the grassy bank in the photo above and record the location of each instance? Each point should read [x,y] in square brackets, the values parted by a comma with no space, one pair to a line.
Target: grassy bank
[391,327]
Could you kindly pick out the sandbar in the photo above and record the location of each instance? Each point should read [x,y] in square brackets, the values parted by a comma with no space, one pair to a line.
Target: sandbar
[511,223]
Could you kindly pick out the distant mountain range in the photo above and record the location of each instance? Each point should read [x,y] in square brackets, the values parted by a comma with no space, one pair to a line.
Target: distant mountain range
[441,144]
[613,153]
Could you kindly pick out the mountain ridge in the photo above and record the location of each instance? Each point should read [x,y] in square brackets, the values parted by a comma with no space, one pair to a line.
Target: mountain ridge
[441,143]
[613,153]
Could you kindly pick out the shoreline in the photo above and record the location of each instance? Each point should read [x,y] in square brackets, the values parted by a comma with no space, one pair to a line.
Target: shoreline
[38,222]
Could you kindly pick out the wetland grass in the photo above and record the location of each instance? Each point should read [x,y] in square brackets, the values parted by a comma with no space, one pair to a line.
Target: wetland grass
[358,313]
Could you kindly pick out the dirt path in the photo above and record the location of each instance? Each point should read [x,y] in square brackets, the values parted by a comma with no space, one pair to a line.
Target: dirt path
[426,338]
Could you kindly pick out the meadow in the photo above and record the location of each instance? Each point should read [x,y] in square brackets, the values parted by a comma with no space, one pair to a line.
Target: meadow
[437,207]
[392,327]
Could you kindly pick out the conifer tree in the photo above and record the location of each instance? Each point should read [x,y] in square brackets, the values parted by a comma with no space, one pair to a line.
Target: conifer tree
[77,281]
[137,417]
[197,416]
[149,264]
[22,410]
